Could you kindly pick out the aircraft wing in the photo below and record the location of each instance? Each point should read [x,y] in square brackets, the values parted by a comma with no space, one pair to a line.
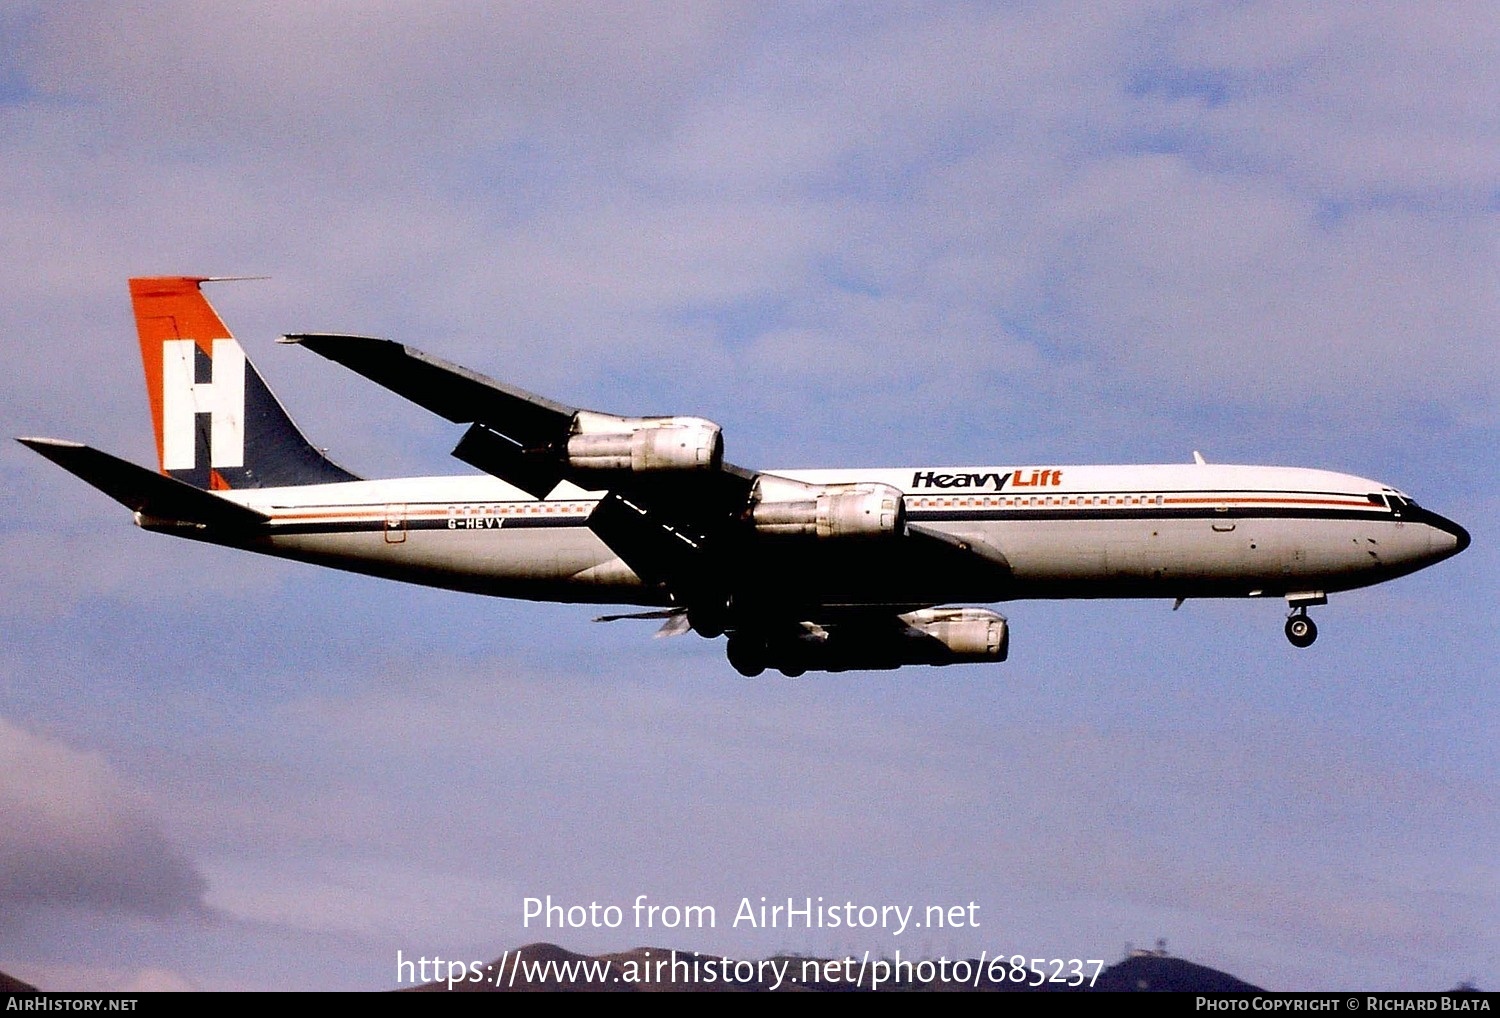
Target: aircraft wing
[660,522]
[151,494]
[535,427]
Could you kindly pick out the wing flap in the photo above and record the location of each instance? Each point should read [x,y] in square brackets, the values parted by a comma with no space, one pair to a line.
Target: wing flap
[142,490]
[508,460]
[965,544]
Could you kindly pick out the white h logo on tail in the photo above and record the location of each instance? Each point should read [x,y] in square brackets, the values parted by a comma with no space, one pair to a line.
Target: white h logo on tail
[182,399]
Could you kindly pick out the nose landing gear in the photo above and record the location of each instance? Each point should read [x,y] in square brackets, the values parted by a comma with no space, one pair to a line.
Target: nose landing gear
[1300,629]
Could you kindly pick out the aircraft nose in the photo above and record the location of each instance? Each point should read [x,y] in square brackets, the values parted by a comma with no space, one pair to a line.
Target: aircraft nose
[1446,538]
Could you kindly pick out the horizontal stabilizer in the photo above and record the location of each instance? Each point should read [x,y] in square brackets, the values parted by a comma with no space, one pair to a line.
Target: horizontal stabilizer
[660,613]
[451,391]
[677,621]
[146,492]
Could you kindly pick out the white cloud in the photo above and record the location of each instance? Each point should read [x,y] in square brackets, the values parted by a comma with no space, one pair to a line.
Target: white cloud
[1371,100]
[76,836]
[367,898]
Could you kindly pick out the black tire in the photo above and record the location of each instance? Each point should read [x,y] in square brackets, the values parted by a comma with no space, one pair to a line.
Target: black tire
[708,624]
[1301,631]
[747,655]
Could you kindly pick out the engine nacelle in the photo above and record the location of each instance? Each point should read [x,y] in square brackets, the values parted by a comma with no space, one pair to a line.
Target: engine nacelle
[933,636]
[969,634]
[644,444]
[845,510]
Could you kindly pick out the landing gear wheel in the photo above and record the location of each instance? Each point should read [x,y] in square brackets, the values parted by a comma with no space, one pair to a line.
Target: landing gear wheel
[709,619]
[1301,631]
[747,655]
[709,625]
[793,671]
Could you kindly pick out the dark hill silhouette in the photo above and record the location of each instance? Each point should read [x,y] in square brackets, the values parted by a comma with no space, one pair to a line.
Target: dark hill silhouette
[550,968]
[548,959]
[1162,973]
[10,984]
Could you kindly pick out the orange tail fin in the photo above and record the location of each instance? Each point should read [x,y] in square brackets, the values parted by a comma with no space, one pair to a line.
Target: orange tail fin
[217,424]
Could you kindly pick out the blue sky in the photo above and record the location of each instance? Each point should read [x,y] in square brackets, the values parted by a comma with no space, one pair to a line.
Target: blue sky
[974,234]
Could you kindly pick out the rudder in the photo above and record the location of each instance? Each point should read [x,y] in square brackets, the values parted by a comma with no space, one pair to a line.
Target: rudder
[218,425]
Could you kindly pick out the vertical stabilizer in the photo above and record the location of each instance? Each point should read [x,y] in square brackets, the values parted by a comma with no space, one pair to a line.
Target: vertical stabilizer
[217,424]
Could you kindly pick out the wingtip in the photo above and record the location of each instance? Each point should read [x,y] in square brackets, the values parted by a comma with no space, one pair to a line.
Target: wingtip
[32,441]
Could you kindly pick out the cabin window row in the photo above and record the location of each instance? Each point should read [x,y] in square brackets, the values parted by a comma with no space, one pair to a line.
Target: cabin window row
[519,508]
[1057,501]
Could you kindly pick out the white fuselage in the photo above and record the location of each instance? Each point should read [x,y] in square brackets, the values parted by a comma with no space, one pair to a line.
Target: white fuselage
[1069,531]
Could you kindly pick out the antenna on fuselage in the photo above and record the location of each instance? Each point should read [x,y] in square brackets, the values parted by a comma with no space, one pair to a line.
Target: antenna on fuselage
[1198,458]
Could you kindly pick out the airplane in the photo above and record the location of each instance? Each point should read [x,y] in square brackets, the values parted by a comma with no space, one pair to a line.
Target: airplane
[802,570]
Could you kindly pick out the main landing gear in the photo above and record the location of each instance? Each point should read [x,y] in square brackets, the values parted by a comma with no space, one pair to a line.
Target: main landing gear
[747,654]
[750,655]
[1300,629]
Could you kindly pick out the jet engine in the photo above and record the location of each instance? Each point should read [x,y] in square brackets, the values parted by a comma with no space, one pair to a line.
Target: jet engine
[642,444]
[824,511]
[969,634]
[932,636]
